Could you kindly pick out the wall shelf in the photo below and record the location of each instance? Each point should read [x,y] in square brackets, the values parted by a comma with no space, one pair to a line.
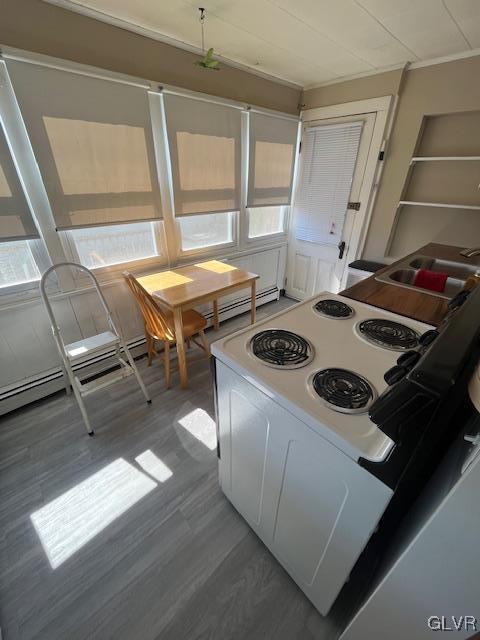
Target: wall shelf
[443,158]
[472,207]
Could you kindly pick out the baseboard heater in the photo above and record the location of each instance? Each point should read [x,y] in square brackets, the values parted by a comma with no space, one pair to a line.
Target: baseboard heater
[50,382]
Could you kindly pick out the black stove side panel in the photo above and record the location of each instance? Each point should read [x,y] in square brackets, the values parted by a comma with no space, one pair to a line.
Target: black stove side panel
[213,370]
[423,412]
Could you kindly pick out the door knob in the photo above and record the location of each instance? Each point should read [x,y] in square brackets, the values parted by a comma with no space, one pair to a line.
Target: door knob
[341,249]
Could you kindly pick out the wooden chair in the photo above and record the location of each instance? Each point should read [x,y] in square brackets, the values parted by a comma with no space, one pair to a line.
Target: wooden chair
[159,325]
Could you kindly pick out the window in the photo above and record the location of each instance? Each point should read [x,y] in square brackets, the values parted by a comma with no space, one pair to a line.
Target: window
[17,264]
[266,221]
[114,244]
[200,231]
[112,152]
[93,142]
[272,143]
[205,154]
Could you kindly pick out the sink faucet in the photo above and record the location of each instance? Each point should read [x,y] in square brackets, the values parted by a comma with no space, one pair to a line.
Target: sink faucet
[470,253]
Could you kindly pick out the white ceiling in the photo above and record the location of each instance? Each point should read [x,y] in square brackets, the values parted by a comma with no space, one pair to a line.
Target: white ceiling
[308,42]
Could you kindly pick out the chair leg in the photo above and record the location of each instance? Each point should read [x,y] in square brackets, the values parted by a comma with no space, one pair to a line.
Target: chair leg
[131,362]
[166,363]
[188,343]
[204,340]
[150,346]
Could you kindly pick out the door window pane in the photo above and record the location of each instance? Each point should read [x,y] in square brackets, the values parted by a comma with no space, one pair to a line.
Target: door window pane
[201,231]
[103,246]
[265,221]
[327,164]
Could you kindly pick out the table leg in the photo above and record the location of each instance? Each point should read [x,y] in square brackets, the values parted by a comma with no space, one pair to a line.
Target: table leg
[215,315]
[179,337]
[254,300]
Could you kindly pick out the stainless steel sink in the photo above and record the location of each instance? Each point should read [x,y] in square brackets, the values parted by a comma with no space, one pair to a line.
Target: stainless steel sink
[403,274]
[453,269]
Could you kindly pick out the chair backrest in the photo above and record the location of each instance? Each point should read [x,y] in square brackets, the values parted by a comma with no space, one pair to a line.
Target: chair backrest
[154,318]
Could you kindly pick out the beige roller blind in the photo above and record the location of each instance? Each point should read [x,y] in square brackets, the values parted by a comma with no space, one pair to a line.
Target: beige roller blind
[205,150]
[93,142]
[16,222]
[272,143]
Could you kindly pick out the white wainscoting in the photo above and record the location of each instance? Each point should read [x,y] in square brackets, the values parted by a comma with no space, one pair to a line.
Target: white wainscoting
[30,364]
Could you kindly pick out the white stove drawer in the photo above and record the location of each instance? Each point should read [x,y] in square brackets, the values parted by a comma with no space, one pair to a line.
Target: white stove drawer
[313,506]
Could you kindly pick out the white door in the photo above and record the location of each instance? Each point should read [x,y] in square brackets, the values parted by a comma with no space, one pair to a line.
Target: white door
[331,174]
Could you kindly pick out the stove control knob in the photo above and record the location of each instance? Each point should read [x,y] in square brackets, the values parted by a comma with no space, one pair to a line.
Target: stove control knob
[409,359]
[395,374]
[428,337]
[458,300]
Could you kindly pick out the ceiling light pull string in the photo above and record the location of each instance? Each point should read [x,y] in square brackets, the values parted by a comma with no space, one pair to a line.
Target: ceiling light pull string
[202,24]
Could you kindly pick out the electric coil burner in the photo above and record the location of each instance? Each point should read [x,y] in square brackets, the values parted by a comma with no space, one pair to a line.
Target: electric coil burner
[343,390]
[388,334]
[334,309]
[281,349]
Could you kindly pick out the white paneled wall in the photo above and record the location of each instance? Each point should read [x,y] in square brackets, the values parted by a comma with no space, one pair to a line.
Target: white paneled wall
[28,354]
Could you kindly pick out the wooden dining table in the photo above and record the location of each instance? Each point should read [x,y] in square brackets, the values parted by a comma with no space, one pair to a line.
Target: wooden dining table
[185,287]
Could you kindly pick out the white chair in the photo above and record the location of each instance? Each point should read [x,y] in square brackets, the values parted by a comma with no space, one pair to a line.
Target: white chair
[77,352]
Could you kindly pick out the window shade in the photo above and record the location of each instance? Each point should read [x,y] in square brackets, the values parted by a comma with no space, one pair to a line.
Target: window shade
[271,160]
[329,155]
[16,222]
[205,151]
[93,143]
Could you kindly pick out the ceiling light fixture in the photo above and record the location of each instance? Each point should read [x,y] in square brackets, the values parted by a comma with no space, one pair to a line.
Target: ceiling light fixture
[207,62]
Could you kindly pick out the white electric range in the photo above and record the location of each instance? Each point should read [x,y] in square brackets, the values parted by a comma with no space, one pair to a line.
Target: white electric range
[292,399]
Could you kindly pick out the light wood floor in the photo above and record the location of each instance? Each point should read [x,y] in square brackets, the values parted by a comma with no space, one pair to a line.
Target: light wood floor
[180,563]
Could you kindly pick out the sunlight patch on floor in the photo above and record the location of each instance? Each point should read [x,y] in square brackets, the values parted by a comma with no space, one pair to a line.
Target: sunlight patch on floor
[67,523]
[154,466]
[201,426]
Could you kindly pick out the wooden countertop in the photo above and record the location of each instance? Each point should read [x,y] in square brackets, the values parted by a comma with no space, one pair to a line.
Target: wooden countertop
[414,304]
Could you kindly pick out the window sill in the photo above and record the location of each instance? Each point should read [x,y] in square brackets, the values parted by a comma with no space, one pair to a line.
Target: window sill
[212,250]
[16,295]
[20,298]
[113,272]
[19,292]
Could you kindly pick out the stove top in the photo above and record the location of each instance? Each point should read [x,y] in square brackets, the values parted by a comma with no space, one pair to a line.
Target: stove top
[344,390]
[331,308]
[388,334]
[282,349]
[335,344]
